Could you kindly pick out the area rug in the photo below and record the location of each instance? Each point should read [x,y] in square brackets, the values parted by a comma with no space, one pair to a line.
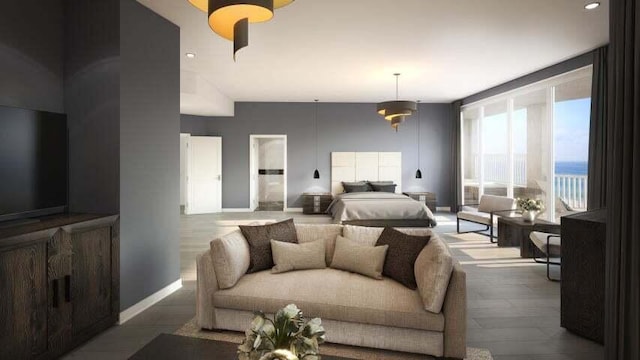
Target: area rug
[191,329]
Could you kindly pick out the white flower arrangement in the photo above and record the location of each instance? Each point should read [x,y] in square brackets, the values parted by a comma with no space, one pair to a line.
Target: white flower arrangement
[527,204]
[287,337]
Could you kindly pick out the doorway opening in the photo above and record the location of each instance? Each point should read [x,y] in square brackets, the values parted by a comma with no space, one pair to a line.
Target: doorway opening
[268,169]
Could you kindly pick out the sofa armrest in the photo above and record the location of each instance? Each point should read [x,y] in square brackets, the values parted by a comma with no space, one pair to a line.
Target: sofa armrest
[455,315]
[206,286]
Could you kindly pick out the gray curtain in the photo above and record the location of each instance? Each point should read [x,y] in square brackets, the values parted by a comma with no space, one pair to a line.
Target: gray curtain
[597,190]
[622,288]
[456,192]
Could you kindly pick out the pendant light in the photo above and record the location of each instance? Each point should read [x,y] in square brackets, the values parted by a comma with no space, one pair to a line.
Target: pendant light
[230,18]
[316,173]
[396,111]
[418,172]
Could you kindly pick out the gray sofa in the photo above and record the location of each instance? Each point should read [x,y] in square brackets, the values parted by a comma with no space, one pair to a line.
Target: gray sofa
[355,310]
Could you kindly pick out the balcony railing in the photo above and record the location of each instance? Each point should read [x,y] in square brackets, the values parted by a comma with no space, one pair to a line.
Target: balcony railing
[572,189]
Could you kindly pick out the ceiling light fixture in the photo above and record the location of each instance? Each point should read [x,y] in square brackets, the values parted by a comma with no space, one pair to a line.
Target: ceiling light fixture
[396,111]
[230,18]
[592,5]
[316,173]
[190,55]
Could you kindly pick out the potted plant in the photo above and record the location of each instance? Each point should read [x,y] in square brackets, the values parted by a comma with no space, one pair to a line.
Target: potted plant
[530,208]
[287,337]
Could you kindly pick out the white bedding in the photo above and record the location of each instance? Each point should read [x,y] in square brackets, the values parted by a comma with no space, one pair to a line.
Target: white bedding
[378,206]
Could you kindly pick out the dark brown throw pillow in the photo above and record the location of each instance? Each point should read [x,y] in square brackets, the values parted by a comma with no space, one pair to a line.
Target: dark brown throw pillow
[259,239]
[401,255]
[357,186]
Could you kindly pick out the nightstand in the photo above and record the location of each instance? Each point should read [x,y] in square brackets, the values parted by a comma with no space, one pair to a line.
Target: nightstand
[315,203]
[426,197]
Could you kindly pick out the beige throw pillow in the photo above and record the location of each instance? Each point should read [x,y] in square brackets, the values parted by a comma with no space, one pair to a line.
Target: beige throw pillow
[361,259]
[433,269]
[230,257]
[288,256]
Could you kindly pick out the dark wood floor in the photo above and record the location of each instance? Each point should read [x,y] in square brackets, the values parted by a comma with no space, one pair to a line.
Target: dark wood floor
[514,311]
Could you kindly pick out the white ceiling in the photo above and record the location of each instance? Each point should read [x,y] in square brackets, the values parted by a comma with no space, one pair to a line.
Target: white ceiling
[348,50]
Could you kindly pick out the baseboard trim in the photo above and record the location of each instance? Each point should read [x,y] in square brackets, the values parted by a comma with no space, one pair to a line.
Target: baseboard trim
[443,208]
[296,210]
[236,210]
[148,302]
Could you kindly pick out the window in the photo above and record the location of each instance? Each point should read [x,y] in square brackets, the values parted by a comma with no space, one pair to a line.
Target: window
[531,142]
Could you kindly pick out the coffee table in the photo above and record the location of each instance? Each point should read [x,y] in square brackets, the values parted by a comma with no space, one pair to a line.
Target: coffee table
[166,346]
[514,231]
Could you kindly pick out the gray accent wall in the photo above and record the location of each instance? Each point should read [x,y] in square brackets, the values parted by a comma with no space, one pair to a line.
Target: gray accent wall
[149,152]
[31,54]
[92,103]
[341,127]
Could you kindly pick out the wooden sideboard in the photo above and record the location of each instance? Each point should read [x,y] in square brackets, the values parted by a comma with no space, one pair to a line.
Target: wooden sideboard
[59,283]
[583,273]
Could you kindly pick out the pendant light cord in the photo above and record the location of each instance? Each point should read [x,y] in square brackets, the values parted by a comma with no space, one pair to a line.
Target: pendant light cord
[316,124]
[397,92]
[418,113]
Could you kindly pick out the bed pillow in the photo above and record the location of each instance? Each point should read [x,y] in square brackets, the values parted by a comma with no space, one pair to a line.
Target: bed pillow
[357,186]
[259,239]
[401,255]
[390,188]
[289,257]
[361,259]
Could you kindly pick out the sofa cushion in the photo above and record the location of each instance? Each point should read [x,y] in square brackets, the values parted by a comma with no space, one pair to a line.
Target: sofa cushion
[363,235]
[230,257]
[259,238]
[332,295]
[433,269]
[361,259]
[288,256]
[369,235]
[401,255]
[325,232]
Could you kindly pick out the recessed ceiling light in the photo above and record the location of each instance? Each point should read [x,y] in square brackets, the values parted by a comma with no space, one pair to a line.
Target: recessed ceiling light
[190,55]
[592,5]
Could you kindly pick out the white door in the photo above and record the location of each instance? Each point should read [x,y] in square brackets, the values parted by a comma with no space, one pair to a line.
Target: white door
[205,175]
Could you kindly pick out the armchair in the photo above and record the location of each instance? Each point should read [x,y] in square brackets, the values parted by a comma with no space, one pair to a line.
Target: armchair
[487,213]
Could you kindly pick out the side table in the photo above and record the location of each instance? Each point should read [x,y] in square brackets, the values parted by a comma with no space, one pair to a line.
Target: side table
[514,231]
[315,203]
[428,198]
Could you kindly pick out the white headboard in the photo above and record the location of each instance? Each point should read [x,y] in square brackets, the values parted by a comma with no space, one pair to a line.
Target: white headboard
[365,166]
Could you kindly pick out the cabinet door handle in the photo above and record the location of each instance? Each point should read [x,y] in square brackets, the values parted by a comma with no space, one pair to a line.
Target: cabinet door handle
[56,293]
[67,288]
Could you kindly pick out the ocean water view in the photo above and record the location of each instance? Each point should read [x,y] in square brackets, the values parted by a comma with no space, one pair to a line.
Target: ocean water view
[571,167]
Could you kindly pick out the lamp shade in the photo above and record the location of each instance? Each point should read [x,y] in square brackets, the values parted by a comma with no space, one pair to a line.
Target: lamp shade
[418,174]
[281,3]
[200,4]
[393,109]
[316,174]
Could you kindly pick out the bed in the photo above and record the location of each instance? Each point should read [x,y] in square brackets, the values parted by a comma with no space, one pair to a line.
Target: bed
[380,209]
[373,208]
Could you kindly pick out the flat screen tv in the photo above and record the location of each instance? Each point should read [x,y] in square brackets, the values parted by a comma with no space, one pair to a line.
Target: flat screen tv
[33,163]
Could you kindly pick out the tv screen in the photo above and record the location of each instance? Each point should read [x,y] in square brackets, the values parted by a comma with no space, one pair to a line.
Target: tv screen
[33,162]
